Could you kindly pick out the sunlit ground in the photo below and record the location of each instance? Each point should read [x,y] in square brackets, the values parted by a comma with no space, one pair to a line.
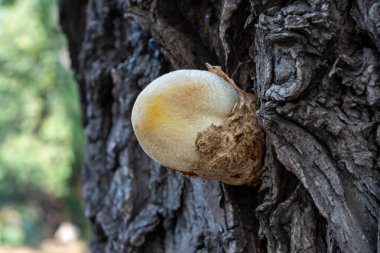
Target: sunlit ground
[41,139]
[48,246]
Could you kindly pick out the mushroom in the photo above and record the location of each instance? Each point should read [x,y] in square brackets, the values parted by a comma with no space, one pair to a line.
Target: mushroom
[201,124]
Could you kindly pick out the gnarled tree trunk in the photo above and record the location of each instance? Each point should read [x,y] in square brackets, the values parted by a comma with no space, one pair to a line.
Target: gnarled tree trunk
[314,67]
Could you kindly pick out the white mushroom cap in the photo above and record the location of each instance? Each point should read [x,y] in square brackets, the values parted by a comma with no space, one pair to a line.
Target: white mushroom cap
[170,112]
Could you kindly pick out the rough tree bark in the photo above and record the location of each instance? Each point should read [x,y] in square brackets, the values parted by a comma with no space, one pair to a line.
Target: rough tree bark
[314,67]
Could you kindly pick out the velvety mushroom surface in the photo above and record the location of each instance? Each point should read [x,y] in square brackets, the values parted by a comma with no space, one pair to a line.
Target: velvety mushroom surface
[170,112]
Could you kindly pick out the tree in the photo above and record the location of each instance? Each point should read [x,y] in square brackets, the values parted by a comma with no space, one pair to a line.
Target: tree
[40,132]
[314,67]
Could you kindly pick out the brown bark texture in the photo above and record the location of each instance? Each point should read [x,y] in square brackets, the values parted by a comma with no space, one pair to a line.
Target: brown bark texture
[314,67]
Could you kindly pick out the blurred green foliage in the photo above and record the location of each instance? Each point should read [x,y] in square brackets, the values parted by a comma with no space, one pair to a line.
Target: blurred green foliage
[41,137]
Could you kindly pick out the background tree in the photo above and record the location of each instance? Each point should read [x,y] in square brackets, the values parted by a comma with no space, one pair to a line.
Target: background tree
[314,67]
[41,137]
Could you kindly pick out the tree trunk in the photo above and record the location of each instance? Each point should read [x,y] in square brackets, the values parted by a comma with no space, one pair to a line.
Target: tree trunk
[314,67]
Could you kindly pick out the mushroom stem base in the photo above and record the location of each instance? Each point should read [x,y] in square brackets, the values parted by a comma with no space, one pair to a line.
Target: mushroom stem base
[232,152]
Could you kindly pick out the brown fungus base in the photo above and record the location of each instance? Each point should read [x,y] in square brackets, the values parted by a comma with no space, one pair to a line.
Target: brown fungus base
[232,152]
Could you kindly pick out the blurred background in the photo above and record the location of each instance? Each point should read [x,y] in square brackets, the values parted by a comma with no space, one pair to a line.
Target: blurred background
[41,138]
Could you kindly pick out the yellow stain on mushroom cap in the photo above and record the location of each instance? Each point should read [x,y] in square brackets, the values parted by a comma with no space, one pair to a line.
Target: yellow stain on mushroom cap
[170,112]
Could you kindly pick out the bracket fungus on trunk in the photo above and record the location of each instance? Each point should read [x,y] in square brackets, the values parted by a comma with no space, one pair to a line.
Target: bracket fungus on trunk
[201,124]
